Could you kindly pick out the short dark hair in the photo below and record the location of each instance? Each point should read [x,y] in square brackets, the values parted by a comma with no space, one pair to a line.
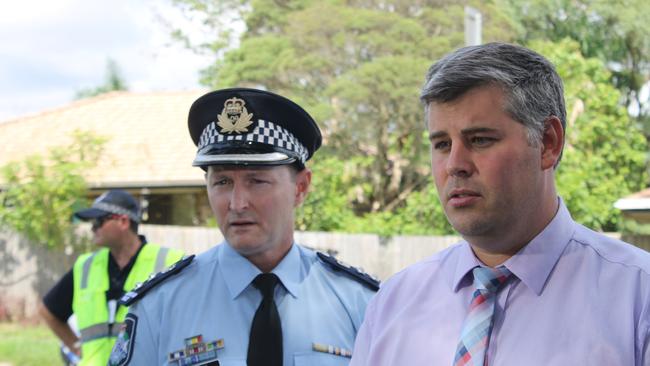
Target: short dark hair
[532,88]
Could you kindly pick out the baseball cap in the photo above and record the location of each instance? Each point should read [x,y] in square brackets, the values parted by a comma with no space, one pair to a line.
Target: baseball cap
[115,201]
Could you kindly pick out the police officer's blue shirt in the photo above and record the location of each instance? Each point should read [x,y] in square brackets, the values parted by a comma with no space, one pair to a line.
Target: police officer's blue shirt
[214,298]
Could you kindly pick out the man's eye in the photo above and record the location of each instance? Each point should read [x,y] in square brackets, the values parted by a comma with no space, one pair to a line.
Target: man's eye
[219,182]
[482,140]
[441,145]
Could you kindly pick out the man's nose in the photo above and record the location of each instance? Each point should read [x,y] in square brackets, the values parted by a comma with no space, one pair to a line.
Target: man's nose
[238,198]
[459,161]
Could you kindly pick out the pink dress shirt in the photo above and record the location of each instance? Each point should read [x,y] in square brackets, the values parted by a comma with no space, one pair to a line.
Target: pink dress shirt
[578,298]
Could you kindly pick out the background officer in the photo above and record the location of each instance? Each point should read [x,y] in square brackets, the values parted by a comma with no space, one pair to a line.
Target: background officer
[258,298]
[92,287]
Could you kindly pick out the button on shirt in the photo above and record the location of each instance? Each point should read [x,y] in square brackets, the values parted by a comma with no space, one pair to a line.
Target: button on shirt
[577,298]
[214,297]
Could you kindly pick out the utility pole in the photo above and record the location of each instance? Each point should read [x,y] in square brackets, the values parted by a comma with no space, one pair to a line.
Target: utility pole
[473,25]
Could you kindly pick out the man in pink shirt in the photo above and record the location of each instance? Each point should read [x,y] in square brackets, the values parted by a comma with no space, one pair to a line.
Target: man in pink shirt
[528,285]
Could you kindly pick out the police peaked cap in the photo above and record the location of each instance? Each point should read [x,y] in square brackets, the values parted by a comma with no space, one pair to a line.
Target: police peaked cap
[242,126]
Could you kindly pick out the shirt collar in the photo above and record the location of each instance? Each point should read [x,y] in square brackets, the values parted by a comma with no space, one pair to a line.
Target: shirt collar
[534,262]
[289,271]
[466,262]
[113,268]
[238,272]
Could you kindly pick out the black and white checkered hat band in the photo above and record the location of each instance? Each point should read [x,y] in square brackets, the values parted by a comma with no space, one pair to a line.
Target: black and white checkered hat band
[116,210]
[266,132]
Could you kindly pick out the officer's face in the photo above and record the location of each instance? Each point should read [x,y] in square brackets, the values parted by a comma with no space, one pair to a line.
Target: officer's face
[107,230]
[254,207]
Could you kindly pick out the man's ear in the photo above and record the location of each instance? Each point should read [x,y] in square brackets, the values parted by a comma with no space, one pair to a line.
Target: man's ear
[303,182]
[552,142]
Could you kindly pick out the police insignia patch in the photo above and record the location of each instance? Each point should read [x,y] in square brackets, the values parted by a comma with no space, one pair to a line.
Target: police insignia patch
[234,117]
[122,350]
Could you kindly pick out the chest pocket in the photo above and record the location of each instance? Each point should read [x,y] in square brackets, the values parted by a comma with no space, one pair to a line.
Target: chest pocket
[319,359]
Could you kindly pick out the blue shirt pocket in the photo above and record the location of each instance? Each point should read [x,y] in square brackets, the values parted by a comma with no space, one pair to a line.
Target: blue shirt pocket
[229,361]
[319,359]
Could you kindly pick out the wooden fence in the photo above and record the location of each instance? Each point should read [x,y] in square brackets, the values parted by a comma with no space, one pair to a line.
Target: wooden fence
[27,271]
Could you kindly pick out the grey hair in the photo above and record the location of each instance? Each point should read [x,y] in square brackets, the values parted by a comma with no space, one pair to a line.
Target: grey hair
[532,88]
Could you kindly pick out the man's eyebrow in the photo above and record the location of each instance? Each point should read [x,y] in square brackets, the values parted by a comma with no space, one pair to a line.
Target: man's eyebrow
[437,134]
[466,131]
[473,130]
[256,173]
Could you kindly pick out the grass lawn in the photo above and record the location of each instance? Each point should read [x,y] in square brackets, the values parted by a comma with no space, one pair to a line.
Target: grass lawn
[28,345]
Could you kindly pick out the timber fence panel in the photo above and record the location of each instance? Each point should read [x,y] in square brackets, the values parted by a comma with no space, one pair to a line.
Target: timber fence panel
[28,271]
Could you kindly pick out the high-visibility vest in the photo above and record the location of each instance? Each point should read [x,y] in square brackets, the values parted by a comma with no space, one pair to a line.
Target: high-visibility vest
[89,303]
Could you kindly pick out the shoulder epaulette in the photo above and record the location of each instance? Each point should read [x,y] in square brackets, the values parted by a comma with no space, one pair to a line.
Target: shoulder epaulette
[353,272]
[154,280]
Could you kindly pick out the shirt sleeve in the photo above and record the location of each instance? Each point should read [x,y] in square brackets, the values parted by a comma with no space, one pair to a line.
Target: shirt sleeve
[143,349]
[645,350]
[59,299]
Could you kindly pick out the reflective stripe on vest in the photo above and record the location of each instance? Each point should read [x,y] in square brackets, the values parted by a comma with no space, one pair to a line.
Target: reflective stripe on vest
[91,281]
[97,331]
[160,260]
[86,270]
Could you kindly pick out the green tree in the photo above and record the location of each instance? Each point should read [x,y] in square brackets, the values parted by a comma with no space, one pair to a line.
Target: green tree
[326,207]
[616,33]
[114,82]
[357,67]
[604,156]
[40,194]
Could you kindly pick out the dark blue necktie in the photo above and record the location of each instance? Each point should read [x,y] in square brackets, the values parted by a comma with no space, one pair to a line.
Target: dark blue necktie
[265,342]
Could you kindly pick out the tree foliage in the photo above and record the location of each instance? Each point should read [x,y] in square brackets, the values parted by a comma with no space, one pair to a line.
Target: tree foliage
[357,67]
[328,207]
[39,194]
[114,82]
[604,156]
[617,34]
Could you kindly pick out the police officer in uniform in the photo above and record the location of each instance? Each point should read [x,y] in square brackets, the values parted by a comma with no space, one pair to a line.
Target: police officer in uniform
[259,298]
[97,280]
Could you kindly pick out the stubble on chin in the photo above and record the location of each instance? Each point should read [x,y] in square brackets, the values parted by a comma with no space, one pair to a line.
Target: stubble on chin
[470,224]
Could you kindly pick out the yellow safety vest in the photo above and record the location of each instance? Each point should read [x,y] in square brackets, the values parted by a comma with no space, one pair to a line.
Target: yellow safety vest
[89,304]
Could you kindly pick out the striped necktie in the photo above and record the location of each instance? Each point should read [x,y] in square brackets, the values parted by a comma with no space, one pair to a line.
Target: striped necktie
[475,337]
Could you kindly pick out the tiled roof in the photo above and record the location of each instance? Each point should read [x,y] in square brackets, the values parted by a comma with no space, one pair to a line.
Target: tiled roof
[636,201]
[641,194]
[149,144]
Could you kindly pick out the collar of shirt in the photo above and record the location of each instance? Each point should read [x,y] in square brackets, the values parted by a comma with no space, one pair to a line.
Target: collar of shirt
[114,270]
[238,272]
[534,262]
[117,277]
